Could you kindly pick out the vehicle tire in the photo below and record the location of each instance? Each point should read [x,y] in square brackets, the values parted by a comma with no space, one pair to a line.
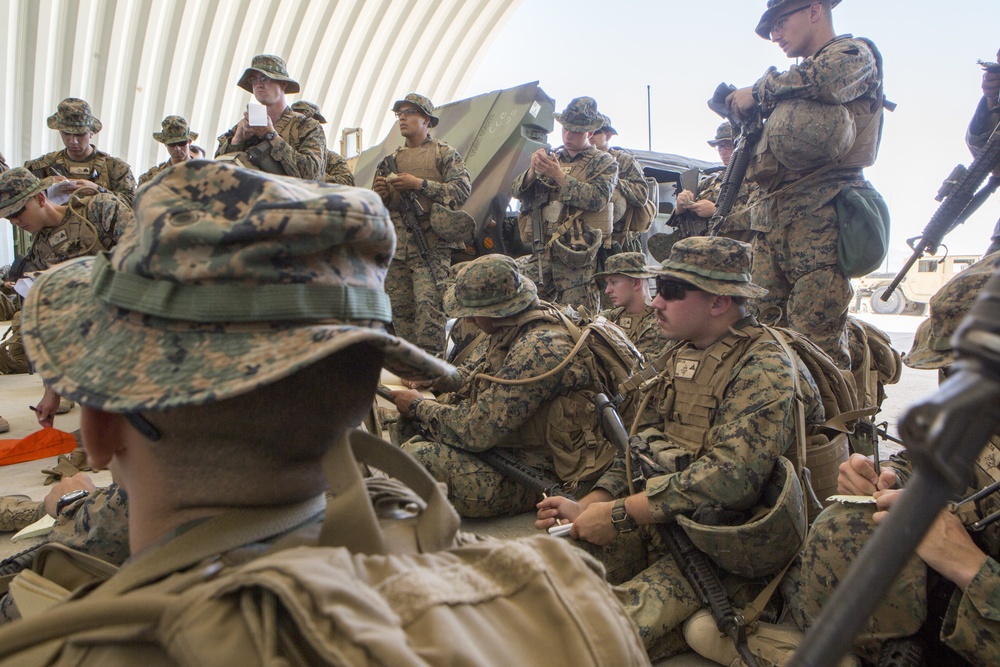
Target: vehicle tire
[894,306]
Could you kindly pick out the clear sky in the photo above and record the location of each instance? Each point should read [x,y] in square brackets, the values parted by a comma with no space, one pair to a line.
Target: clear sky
[684,49]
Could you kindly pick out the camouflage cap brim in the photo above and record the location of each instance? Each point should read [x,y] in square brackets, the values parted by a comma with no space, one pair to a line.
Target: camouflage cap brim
[928,352]
[719,283]
[173,138]
[526,297]
[120,361]
[776,9]
[56,123]
[244,82]
[631,274]
[9,206]
[573,127]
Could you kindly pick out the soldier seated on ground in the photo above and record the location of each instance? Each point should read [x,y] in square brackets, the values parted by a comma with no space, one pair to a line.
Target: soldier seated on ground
[721,415]
[546,423]
[626,278]
[946,602]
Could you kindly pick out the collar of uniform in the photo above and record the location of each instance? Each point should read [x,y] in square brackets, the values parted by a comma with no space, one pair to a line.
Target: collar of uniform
[93,155]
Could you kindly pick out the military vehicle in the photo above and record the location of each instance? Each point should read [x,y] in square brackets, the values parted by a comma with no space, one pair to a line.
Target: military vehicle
[496,133]
[919,284]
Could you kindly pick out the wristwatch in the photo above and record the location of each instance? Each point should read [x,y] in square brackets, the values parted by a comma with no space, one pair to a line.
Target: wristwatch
[270,135]
[620,519]
[68,499]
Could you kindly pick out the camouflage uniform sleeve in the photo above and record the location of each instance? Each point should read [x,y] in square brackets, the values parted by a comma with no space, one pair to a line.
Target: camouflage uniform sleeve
[121,179]
[337,170]
[972,623]
[382,170]
[842,72]
[98,527]
[226,143]
[901,465]
[614,479]
[150,173]
[651,342]
[753,426]
[456,185]
[111,217]
[501,409]
[631,181]
[594,193]
[981,127]
[307,159]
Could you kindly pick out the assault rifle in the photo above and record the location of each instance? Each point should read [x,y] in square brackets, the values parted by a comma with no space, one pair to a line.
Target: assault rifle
[696,566]
[744,143]
[959,199]
[538,223]
[410,213]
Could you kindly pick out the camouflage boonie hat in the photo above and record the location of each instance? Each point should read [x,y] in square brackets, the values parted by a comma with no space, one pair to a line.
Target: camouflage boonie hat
[270,66]
[932,343]
[631,264]
[16,185]
[776,8]
[722,133]
[453,226]
[309,110]
[715,264]
[490,286]
[174,130]
[73,116]
[420,102]
[232,279]
[581,115]
[606,126]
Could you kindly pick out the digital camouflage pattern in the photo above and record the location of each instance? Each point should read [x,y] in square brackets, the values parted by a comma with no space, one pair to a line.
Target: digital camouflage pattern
[111,221]
[715,264]
[489,286]
[173,130]
[419,101]
[722,133]
[642,329]
[413,288]
[111,173]
[209,232]
[272,67]
[796,228]
[337,169]
[74,116]
[153,172]
[309,110]
[300,148]
[581,115]
[16,185]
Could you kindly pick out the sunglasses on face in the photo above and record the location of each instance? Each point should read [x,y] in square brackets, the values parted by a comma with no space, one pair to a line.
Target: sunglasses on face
[673,290]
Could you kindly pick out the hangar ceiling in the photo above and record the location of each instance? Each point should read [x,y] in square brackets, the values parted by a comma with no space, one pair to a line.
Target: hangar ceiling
[137,61]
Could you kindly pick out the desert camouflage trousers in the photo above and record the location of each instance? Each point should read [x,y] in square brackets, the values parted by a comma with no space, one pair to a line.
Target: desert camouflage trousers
[416,295]
[796,262]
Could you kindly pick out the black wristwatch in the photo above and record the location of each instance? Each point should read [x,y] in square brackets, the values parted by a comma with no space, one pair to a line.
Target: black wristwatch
[270,135]
[620,519]
[68,499]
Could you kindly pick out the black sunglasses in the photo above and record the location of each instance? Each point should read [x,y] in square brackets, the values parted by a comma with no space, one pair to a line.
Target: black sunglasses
[673,290]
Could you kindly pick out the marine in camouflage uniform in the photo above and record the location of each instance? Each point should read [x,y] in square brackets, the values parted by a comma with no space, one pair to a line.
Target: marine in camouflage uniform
[795,222]
[291,144]
[632,189]
[984,122]
[177,137]
[435,173]
[719,456]
[949,612]
[81,161]
[337,170]
[627,280]
[573,187]
[546,424]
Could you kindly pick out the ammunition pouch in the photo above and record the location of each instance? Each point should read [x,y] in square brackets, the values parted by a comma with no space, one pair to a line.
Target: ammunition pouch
[769,540]
[863,243]
[577,248]
[804,135]
[452,226]
[823,458]
[259,156]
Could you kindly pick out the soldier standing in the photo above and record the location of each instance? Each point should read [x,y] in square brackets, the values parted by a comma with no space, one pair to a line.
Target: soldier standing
[81,162]
[984,122]
[571,189]
[431,175]
[627,286]
[177,137]
[631,192]
[337,170]
[289,143]
[836,88]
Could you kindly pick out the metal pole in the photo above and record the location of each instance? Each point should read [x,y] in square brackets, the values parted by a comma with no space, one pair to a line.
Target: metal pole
[649,118]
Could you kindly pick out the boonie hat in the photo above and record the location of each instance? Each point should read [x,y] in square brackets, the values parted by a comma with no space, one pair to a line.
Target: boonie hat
[16,185]
[932,342]
[722,133]
[490,286]
[73,116]
[580,115]
[174,130]
[631,264]
[419,101]
[269,66]
[714,264]
[309,110]
[233,279]
[776,8]
[606,126]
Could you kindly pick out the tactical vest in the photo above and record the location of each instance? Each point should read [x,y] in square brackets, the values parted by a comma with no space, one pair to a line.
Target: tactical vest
[260,153]
[422,163]
[76,236]
[94,170]
[985,472]
[597,220]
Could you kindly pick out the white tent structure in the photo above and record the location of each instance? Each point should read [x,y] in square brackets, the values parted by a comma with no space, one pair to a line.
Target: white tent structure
[137,61]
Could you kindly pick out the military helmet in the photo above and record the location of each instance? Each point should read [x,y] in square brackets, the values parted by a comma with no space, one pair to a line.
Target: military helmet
[714,264]
[309,110]
[230,280]
[270,66]
[73,116]
[174,130]
[723,133]
[631,264]
[776,8]
[490,286]
[16,185]
[420,102]
[580,115]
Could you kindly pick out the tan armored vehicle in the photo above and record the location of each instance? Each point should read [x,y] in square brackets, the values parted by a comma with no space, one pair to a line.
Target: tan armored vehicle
[926,277]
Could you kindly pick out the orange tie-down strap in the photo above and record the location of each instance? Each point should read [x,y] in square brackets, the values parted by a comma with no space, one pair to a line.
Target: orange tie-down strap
[38,445]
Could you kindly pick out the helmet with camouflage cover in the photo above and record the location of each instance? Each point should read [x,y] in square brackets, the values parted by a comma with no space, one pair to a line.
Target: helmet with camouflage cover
[490,286]
[16,185]
[270,66]
[932,342]
[722,133]
[776,8]
[714,264]
[309,110]
[421,103]
[231,280]
[765,544]
[452,226]
[580,115]
[806,134]
[73,116]
[631,264]
[174,129]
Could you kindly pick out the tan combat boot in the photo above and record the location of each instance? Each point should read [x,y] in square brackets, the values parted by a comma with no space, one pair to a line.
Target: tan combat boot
[16,512]
[4,425]
[65,405]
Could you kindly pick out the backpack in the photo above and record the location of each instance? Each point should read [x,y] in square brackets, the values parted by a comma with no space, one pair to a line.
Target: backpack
[874,364]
